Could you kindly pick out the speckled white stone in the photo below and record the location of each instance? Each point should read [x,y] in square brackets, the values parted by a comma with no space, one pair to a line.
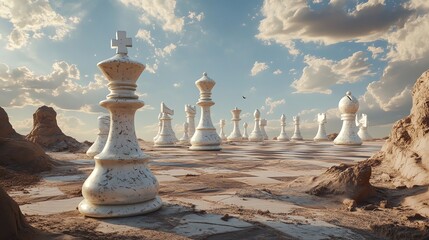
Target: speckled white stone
[120,184]
[297,132]
[321,132]
[205,137]
[103,132]
[245,135]
[190,111]
[256,135]
[235,134]
[222,124]
[362,123]
[348,107]
[167,137]
[283,137]
[262,124]
[159,127]
[184,140]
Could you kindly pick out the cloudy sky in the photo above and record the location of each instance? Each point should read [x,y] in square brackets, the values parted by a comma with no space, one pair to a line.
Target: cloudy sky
[294,57]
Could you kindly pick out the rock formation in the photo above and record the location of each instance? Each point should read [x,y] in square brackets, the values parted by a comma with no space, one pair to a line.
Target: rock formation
[6,129]
[351,182]
[47,134]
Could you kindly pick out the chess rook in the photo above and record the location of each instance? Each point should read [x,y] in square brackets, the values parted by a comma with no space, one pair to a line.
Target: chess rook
[321,132]
[348,107]
[205,137]
[256,134]
[283,137]
[297,132]
[103,133]
[262,125]
[235,134]
[190,118]
[121,184]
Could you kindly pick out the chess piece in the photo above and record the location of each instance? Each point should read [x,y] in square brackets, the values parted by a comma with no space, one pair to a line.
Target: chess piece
[121,184]
[348,107]
[321,132]
[245,135]
[256,134]
[283,137]
[262,125]
[222,132]
[362,123]
[159,127]
[167,137]
[190,118]
[205,136]
[185,139]
[235,134]
[297,132]
[103,133]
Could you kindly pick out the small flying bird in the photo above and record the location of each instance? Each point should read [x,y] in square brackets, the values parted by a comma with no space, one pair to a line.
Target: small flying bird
[243,97]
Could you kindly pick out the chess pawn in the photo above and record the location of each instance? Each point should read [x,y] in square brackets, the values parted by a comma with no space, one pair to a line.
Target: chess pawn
[245,135]
[159,127]
[297,132]
[262,125]
[103,133]
[256,134]
[185,139]
[362,123]
[167,137]
[348,107]
[283,137]
[321,132]
[190,118]
[121,183]
[222,124]
[235,134]
[205,137]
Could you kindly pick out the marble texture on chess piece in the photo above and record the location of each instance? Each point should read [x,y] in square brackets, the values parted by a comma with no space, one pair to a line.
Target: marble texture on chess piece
[362,124]
[321,132]
[256,135]
[159,127]
[297,132]
[348,107]
[167,137]
[235,134]
[262,124]
[205,137]
[222,124]
[190,111]
[245,135]
[184,140]
[121,184]
[103,133]
[283,137]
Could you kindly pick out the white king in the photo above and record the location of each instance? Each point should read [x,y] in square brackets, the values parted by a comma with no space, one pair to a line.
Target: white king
[120,184]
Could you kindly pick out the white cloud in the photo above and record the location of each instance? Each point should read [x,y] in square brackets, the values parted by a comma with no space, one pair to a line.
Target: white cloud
[145,36]
[195,16]
[258,67]
[375,51]
[161,11]
[152,68]
[320,73]
[166,51]
[30,18]
[285,22]
[273,104]
[277,72]
[177,85]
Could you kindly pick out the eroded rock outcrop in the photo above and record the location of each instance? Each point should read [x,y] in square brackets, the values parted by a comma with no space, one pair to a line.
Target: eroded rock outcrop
[6,129]
[47,134]
[347,181]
